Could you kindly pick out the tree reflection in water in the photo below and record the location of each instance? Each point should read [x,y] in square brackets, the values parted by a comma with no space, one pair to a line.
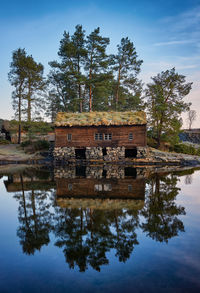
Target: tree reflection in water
[161,211]
[86,235]
[34,217]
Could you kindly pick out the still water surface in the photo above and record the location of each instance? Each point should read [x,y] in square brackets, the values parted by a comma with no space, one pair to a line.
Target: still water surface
[99,230]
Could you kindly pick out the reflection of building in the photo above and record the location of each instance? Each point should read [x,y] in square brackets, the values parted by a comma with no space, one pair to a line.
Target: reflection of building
[96,188]
[107,136]
[18,182]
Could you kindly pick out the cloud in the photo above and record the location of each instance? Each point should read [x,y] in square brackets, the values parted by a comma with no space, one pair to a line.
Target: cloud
[178,42]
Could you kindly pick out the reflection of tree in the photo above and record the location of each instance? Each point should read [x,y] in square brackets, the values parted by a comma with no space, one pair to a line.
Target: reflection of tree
[161,211]
[188,179]
[87,235]
[35,219]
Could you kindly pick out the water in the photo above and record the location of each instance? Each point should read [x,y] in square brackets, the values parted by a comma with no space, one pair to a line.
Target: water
[88,229]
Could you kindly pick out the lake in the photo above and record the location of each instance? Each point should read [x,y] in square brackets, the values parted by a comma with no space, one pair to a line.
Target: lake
[99,229]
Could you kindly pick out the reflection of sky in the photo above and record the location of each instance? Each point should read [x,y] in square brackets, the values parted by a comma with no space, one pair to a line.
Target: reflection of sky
[165,33]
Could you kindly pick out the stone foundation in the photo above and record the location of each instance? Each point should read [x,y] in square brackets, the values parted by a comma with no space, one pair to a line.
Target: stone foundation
[97,153]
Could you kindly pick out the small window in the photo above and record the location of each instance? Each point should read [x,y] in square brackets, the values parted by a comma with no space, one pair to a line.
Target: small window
[107,187]
[70,186]
[107,136]
[98,136]
[98,187]
[130,188]
[69,136]
[130,136]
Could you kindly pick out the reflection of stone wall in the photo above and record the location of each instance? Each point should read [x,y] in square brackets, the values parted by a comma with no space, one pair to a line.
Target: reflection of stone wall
[95,172]
[96,153]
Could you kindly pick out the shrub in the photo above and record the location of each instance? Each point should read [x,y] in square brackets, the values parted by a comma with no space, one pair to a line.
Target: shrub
[41,145]
[26,143]
[4,141]
[186,149]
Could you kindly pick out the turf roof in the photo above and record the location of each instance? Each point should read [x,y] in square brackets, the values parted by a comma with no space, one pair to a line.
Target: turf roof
[100,118]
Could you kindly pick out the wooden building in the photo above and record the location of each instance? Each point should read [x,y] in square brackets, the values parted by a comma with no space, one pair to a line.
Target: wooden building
[99,135]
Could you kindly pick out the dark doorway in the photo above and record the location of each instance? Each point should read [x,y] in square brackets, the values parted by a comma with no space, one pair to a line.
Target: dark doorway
[81,171]
[104,173]
[104,151]
[131,153]
[80,154]
[131,172]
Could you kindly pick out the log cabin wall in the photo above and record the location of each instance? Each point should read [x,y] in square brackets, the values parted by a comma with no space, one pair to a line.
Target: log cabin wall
[127,188]
[84,136]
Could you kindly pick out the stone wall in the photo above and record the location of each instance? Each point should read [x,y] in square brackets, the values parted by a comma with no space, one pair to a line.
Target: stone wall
[108,154]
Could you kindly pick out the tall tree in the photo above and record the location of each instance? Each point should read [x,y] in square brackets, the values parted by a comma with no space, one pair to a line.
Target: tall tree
[26,76]
[17,78]
[97,61]
[35,85]
[66,76]
[127,66]
[165,102]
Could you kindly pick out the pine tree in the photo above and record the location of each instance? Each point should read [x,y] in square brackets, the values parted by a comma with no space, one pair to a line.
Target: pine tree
[127,87]
[35,86]
[17,78]
[66,76]
[96,63]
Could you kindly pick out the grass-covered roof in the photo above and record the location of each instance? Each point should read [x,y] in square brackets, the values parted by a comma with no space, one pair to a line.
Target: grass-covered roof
[100,118]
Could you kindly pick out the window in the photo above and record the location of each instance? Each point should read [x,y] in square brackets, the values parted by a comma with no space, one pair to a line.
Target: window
[107,136]
[107,187]
[130,188]
[130,136]
[98,187]
[69,136]
[70,187]
[98,136]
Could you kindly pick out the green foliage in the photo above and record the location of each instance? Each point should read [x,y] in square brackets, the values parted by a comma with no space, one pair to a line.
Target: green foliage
[35,126]
[127,88]
[41,145]
[165,104]
[36,145]
[4,141]
[186,149]
[26,143]
[26,76]
[87,78]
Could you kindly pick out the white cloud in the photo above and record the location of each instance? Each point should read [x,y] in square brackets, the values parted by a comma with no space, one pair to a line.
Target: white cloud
[178,42]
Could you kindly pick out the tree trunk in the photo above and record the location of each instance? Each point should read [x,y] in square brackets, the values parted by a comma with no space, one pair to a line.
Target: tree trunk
[29,109]
[117,90]
[19,110]
[80,99]
[90,92]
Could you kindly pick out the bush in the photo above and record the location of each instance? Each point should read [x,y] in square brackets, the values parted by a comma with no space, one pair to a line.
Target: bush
[35,145]
[41,145]
[186,149]
[4,141]
[26,143]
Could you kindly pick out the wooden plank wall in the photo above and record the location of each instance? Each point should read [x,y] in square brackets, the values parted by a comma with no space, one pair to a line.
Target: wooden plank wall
[127,188]
[84,136]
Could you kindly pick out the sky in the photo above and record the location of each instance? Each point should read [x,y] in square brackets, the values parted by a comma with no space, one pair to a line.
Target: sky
[166,34]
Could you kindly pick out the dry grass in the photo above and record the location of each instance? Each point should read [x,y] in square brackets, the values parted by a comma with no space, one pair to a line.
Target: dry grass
[100,118]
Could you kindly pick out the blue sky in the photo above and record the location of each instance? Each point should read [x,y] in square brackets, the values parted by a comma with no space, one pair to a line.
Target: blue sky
[166,34]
